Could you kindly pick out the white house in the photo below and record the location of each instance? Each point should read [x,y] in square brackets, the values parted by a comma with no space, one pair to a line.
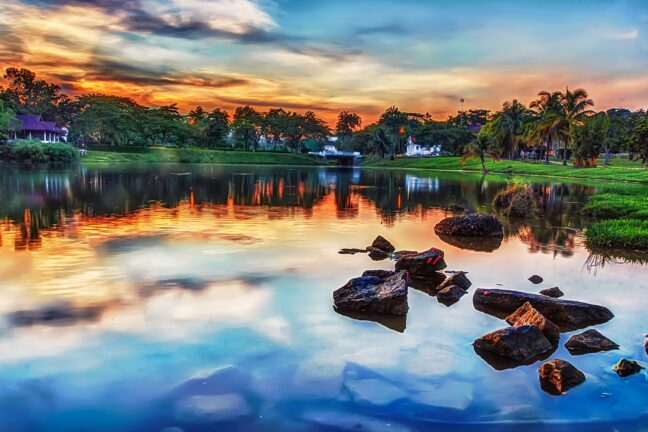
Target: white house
[418,150]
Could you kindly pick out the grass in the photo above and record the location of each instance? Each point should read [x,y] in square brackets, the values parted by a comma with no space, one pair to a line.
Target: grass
[452,163]
[619,233]
[618,205]
[176,155]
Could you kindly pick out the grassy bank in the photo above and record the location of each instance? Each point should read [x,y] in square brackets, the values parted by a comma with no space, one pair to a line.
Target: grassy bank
[451,163]
[175,155]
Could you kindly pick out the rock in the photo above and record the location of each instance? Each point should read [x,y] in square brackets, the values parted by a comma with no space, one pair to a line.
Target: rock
[535,279]
[450,295]
[646,346]
[521,344]
[557,376]
[402,253]
[382,274]
[554,292]
[422,264]
[377,254]
[473,225]
[397,323]
[429,284]
[528,315]
[564,313]
[383,244]
[372,294]
[351,251]
[627,367]
[204,409]
[478,244]
[589,341]
[459,279]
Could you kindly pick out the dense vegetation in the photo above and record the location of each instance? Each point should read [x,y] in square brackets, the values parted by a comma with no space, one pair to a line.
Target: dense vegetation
[35,152]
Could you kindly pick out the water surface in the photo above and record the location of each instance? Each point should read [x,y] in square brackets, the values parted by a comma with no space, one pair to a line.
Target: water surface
[199,298]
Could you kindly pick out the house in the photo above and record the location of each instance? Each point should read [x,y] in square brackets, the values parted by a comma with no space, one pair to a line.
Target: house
[32,127]
[418,150]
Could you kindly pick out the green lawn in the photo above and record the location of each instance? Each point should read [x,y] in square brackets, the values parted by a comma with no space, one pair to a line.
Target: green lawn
[619,233]
[452,163]
[175,155]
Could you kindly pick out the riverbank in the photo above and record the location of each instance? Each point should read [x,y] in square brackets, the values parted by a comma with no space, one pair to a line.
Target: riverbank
[452,163]
[178,155]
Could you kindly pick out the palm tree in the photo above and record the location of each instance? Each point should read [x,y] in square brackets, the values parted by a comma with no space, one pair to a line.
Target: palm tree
[544,114]
[508,126]
[394,122]
[481,147]
[574,110]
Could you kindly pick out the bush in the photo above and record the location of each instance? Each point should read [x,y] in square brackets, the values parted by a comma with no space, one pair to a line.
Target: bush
[36,152]
[517,200]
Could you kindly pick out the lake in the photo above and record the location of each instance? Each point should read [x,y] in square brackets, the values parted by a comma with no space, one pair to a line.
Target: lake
[199,298]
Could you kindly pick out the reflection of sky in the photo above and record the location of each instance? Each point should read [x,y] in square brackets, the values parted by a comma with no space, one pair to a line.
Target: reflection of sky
[189,291]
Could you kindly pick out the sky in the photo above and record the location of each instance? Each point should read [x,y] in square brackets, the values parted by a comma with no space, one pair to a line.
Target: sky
[333,55]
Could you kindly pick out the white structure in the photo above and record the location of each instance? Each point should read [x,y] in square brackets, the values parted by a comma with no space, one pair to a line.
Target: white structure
[418,150]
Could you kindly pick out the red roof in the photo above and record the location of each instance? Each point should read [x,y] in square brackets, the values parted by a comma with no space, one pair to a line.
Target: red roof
[32,122]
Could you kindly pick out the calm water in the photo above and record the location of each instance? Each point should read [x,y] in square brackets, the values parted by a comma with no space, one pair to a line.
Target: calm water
[199,298]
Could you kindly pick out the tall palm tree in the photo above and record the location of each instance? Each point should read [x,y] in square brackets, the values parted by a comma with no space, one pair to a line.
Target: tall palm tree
[574,110]
[544,114]
[508,126]
[481,147]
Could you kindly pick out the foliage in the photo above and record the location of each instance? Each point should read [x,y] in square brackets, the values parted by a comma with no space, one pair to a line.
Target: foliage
[480,148]
[347,122]
[517,200]
[508,127]
[639,141]
[8,121]
[588,140]
[617,205]
[36,152]
[34,96]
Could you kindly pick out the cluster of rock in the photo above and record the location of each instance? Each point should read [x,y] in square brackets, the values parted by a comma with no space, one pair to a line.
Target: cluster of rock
[536,322]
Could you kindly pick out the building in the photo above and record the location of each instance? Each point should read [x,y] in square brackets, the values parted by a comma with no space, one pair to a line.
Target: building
[417,150]
[33,128]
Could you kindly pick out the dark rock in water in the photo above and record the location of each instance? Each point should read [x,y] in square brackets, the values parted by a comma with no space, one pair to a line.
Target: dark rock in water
[554,292]
[383,244]
[373,294]
[377,254]
[498,362]
[566,314]
[535,279]
[397,323]
[351,251]
[528,315]
[646,346]
[627,367]
[450,295]
[589,341]
[429,284]
[422,265]
[557,376]
[459,279]
[402,253]
[478,244]
[473,225]
[517,343]
[382,274]
[56,313]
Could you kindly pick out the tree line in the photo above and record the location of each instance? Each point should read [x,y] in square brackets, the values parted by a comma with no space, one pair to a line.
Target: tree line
[565,119]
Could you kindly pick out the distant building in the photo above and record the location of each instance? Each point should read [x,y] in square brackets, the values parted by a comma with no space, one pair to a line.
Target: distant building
[33,128]
[417,150]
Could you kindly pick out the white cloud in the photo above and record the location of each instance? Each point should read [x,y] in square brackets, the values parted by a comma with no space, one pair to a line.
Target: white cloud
[628,35]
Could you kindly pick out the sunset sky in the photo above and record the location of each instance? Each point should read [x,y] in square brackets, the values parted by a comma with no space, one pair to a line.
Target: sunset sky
[360,55]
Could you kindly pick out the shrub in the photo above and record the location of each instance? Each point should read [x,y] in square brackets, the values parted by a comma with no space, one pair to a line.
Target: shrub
[517,200]
[36,152]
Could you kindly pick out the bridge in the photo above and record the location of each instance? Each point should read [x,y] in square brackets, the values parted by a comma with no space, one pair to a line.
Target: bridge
[343,158]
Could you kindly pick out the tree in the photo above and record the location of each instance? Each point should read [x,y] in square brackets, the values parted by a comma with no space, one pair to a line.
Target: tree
[588,140]
[275,123]
[639,142]
[395,123]
[347,122]
[8,121]
[481,147]
[573,112]
[31,95]
[543,118]
[246,126]
[508,127]
[217,128]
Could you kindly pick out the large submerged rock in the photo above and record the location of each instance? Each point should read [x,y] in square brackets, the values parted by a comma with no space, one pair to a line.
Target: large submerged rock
[567,314]
[589,341]
[557,376]
[423,264]
[521,344]
[528,315]
[373,294]
[473,225]
[450,295]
